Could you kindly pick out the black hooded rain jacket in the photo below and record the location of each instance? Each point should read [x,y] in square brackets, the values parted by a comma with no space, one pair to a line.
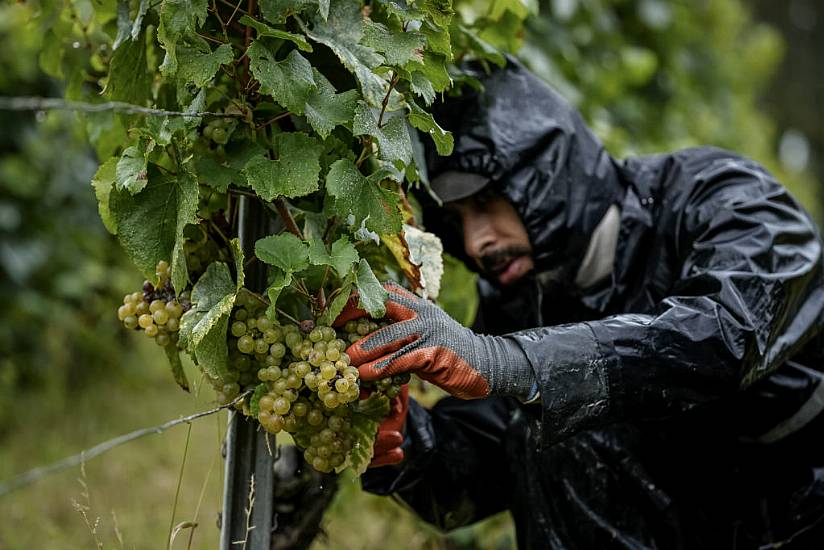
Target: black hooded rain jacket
[680,398]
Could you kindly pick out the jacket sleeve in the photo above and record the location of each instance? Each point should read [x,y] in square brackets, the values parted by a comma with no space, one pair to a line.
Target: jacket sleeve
[748,296]
[454,472]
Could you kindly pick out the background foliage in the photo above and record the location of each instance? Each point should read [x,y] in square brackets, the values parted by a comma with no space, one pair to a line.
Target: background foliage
[649,75]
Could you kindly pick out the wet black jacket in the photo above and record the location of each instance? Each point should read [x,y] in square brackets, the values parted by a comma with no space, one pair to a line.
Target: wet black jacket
[680,397]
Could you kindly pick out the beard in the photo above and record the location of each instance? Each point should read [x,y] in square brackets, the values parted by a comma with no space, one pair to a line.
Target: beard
[496,261]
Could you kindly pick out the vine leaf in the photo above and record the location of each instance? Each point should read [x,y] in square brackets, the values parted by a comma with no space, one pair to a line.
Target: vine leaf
[433,69]
[277,283]
[362,198]
[131,173]
[399,48]
[276,11]
[422,87]
[334,308]
[177,18]
[198,66]
[265,30]
[342,32]
[203,328]
[440,12]
[176,366]
[366,418]
[289,81]
[371,294]
[423,121]
[342,257]
[150,224]
[129,79]
[285,251]
[295,172]
[393,138]
[326,109]
[102,182]
[214,174]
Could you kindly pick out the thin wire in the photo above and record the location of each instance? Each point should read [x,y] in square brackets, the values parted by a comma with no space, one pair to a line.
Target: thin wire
[60,104]
[36,474]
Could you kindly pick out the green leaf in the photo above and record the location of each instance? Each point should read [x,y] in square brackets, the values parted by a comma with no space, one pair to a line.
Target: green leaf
[366,418]
[276,11]
[213,174]
[398,47]
[519,8]
[198,67]
[203,328]
[279,281]
[237,256]
[295,172]
[434,69]
[285,251]
[342,32]
[363,198]
[422,87]
[131,173]
[138,18]
[334,308]
[129,79]
[393,138]
[326,109]
[424,122]
[150,224]
[265,30]
[440,12]
[178,17]
[254,400]
[124,23]
[177,366]
[437,39]
[482,48]
[343,255]
[371,294]
[186,214]
[404,11]
[102,182]
[289,81]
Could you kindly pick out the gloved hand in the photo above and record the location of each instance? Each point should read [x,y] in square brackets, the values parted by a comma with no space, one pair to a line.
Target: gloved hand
[423,339]
[390,433]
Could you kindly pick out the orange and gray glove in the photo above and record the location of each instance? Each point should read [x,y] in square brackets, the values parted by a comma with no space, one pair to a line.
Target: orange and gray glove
[425,340]
[389,438]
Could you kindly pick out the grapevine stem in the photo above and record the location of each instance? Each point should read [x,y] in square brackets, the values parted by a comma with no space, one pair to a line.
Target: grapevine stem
[281,312]
[392,83]
[275,119]
[36,474]
[284,213]
[60,104]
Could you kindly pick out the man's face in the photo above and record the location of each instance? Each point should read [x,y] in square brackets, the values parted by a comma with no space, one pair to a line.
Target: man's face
[494,236]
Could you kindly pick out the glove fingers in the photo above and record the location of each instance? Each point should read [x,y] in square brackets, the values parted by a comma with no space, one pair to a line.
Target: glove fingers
[391,457]
[397,306]
[386,441]
[382,342]
[398,362]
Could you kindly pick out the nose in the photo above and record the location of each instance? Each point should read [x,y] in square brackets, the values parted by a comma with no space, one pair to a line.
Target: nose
[478,233]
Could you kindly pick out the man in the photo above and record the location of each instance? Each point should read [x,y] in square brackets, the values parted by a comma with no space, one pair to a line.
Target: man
[658,381]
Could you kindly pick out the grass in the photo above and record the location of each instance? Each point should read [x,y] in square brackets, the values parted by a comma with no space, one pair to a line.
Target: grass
[128,494]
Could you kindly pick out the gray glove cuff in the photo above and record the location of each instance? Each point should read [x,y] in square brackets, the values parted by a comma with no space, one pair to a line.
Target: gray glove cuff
[507,368]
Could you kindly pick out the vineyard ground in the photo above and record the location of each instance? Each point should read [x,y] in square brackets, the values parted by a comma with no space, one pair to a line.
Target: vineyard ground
[136,483]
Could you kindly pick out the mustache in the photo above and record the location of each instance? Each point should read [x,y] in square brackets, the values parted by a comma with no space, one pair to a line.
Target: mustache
[496,261]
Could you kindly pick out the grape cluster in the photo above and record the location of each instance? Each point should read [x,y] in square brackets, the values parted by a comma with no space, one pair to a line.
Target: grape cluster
[156,310]
[218,130]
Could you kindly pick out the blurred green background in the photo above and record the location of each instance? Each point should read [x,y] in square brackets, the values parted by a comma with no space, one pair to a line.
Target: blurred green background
[649,75]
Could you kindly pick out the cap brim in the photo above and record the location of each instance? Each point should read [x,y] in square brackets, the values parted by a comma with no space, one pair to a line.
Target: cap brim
[453,186]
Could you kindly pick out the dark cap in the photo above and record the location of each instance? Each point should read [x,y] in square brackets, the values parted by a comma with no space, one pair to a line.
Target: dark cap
[453,186]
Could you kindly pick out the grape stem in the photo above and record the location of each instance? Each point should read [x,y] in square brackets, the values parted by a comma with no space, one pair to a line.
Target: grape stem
[286,216]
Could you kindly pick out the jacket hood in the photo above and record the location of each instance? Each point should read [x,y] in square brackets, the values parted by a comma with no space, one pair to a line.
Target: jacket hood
[537,152]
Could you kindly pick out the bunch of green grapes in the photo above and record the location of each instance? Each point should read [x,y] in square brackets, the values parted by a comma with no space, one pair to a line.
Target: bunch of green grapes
[156,310]
[389,386]
[309,395]
[218,130]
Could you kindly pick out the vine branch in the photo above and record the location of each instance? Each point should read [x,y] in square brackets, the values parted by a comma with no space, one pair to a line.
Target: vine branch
[36,474]
[286,216]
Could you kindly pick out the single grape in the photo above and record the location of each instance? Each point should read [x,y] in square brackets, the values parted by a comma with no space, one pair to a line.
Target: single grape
[266,403]
[238,329]
[328,370]
[314,417]
[342,385]
[172,325]
[246,344]
[161,317]
[156,305]
[316,335]
[162,340]
[151,331]
[330,400]
[277,350]
[130,322]
[145,321]
[261,347]
[174,309]
[281,406]
[263,324]
[300,409]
